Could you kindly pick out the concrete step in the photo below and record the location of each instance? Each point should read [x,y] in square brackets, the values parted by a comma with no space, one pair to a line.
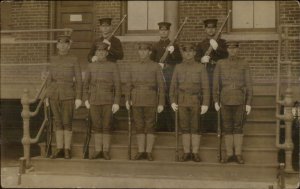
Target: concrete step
[264,100]
[166,153]
[158,169]
[267,112]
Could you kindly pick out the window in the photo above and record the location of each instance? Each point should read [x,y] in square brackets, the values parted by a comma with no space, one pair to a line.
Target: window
[5,15]
[143,16]
[253,16]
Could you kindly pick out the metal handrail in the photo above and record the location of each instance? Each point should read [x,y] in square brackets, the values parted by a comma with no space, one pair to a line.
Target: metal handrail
[37,30]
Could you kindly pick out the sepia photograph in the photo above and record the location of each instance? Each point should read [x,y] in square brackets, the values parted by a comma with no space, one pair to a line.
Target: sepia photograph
[150,94]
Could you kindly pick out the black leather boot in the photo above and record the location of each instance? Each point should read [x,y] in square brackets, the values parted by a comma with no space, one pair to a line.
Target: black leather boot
[239,159]
[59,153]
[149,156]
[106,156]
[96,155]
[67,154]
[196,157]
[139,156]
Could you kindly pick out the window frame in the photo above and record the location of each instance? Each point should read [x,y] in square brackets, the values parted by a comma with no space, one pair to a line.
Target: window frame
[253,30]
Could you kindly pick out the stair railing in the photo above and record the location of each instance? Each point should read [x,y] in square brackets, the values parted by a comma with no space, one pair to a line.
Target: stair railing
[27,114]
[287,101]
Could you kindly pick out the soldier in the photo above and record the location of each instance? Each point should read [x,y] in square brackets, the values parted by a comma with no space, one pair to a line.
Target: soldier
[115,50]
[145,92]
[166,119]
[209,123]
[232,90]
[189,95]
[61,92]
[102,96]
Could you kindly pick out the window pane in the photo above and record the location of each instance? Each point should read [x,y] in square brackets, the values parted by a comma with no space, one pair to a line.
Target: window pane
[137,15]
[264,14]
[155,14]
[242,14]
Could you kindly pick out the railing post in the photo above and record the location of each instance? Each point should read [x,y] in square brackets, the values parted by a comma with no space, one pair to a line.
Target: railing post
[25,101]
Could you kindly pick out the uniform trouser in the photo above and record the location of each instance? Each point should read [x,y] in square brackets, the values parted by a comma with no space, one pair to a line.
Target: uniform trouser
[166,119]
[62,113]
[189,119]
[144,119]
[209,120]
[232,119]
[101,116]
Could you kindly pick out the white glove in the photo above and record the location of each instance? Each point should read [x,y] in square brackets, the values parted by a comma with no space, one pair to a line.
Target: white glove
[213,44]
[94,59]
[248,109]
[160,108]
[115,108]
[128,105]
[47,101]
[78,103]
[170,49]
[205,59]
[108,43]
[87,104]
[203,109]
[174,106]
[161,65]
[217,106]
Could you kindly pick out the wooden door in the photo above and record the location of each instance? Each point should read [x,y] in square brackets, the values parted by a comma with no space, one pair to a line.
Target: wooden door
[78,15]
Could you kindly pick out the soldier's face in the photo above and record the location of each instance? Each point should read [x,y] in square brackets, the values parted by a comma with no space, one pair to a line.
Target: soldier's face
[144,53]
[164,33]
[63,47]
[101,54]
[211,31]
[189,54]
[105,29]
[232,51]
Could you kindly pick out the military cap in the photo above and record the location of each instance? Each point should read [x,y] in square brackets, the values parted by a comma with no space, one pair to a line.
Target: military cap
[64,38]
[101,46]
[144,45]
[164,25]
[232,44]
[188,47]
[210,23]
[105,21]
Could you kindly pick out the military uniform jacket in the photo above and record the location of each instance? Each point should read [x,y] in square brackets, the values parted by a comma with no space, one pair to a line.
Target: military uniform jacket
[215,55]
[232,78]
[102,83]
[159,49]
[60,82]
[189,86]
[114,53]
[145,85]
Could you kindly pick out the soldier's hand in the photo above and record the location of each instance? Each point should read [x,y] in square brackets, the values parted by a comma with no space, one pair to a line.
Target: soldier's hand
[174,106]
[203,109]
[78,103]
[161,65]
[217,106]
[108,43]
[171,49]
[47,102]
[94,58]
[160,108]
[213,44]
[248,109]
[205,59]
[128,104]
[115,108]
[87,104]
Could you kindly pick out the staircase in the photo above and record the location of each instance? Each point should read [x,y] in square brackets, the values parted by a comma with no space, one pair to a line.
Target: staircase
[259,151]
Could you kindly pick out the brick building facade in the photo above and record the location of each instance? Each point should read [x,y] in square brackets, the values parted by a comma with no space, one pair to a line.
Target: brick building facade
[259,48]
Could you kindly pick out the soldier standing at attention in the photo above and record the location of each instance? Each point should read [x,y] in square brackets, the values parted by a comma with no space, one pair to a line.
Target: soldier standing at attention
[115,50]
[209,121]
[232,90]
[166,119]
[189,95]
[102,96]
[61,93]
[146,94]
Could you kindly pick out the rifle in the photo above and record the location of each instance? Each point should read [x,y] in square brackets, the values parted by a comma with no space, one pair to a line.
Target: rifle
[48,150]
[166,53]
[116,29]
[88,136]
[129,133]
[217,35]
[219,133]
[176,135]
